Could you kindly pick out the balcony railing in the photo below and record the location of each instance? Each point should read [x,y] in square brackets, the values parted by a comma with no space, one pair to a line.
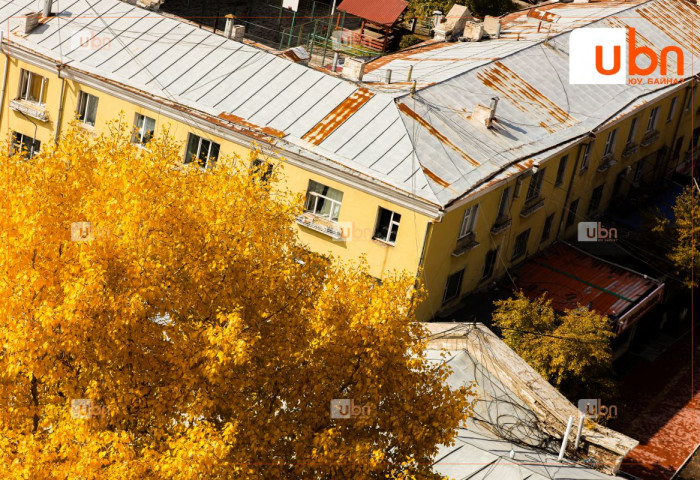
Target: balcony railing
[30,109]
[320,224]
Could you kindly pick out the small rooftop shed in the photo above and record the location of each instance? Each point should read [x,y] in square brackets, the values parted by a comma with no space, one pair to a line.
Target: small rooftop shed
[379,22]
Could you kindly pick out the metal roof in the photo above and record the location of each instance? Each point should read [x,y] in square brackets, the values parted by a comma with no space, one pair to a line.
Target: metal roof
[384,12]
[570,277]
[424,146]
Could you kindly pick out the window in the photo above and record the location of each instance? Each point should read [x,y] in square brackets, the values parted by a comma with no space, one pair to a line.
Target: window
[204,151]
[689,102]
[672,109]
[596,196]
[632,132]
[32,87]
[453,287]
[561,170]
[610,143]
[571,217]
[619,181]
[262,168]
[143,129]
[323,201]
[639,172]
[521,244]
[533,191]
[468,221]
[387,225]
[653,117]
[547,229]
[25,145]
[586,156]
[504,204]
[489,263]
[87,108]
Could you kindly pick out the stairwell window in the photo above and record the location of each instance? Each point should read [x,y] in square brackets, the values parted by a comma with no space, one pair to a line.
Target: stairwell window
[653,118]
[468,221]
[32,87]
[387,225]
[87,108]
[143,129]
[24,145]
[323,201]
[203,151]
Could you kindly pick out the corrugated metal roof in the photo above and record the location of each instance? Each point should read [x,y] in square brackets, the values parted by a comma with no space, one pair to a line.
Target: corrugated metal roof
[426,145]
[384,12]
[570,277]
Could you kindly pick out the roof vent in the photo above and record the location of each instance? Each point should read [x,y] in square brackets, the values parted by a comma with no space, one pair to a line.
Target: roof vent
[492,26]
[449,28]
[354,69]
[473,32]
[235,32]
[484,115]
[28,22]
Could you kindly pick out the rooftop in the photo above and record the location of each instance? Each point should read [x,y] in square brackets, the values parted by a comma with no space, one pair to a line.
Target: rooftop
[385,12]
[425,146]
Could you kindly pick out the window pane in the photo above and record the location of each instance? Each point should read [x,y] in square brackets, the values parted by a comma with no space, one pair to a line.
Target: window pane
[192,146]
[91,110]
[149,128]
[35,88]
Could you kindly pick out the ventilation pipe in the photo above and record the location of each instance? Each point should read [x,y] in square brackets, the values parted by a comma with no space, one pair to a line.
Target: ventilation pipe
[47,8]
[565,440]
[387,76]
[228,28]
[494,104]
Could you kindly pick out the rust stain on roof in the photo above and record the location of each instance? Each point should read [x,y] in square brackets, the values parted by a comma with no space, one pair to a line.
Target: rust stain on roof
[340,114]
[542,15]
[403,55]
[525,97]
[435,178]
[675,19]
[407,111]
[240,121]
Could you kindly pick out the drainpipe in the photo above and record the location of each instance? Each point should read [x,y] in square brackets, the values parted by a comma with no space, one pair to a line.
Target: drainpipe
[4,78]
[59,117]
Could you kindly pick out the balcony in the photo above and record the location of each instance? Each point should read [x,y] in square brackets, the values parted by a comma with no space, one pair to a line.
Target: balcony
[501,225]
[465,244]
[320,224]
[531,206]
[630,149]
[649,138]
[606,162]
[30,109]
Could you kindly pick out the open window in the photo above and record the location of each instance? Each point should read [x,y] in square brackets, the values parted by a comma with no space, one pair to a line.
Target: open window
[144,127]
[87,108]
[387,225]
[32,87]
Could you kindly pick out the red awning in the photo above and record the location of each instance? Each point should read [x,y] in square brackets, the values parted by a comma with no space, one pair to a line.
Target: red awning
[382,12]
[569,277]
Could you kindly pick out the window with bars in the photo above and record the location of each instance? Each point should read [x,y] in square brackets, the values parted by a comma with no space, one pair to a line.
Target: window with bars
[144,127]
[547,229]
[533,190]
[24,145]
[203,151]
[520,244]
[32,87]
[323,201]
[387,225]
[87,108]
[504,203]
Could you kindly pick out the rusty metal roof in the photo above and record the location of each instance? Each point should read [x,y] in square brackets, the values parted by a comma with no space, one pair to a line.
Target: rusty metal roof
[383,12]
[424,146]
[570,278]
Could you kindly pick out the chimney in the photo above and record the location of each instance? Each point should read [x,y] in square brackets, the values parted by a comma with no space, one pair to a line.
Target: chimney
[438,18]
[47,8]
[228,29]
[484,115]
[29,22]
[473,31]
[354,69]
[387,76]
[238,32]
[492,26]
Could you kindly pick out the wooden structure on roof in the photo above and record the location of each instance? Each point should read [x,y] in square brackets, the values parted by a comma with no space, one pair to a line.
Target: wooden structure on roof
[379,22]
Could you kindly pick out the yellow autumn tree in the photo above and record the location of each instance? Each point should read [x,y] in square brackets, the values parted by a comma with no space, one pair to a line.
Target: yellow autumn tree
[188,334]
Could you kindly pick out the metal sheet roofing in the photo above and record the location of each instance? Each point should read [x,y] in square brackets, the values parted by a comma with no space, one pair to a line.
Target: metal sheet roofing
[424,146]
[570,277]
[384,12]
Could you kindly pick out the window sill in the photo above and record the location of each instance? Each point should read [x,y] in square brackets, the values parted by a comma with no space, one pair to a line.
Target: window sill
[464,244]
[606,163]
[650,138]
[500,226]
[320,225]
[583,170]
[383,243]
[531,207]
[630,150]
[31,109]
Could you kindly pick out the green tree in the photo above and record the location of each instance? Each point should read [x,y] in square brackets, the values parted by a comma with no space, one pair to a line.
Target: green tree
[197,334]
[572,350]
[684,231]
[479,8]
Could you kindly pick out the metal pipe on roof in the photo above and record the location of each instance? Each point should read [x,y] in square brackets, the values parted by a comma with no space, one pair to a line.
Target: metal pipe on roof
[565,440]
[47,8]
[578,432]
